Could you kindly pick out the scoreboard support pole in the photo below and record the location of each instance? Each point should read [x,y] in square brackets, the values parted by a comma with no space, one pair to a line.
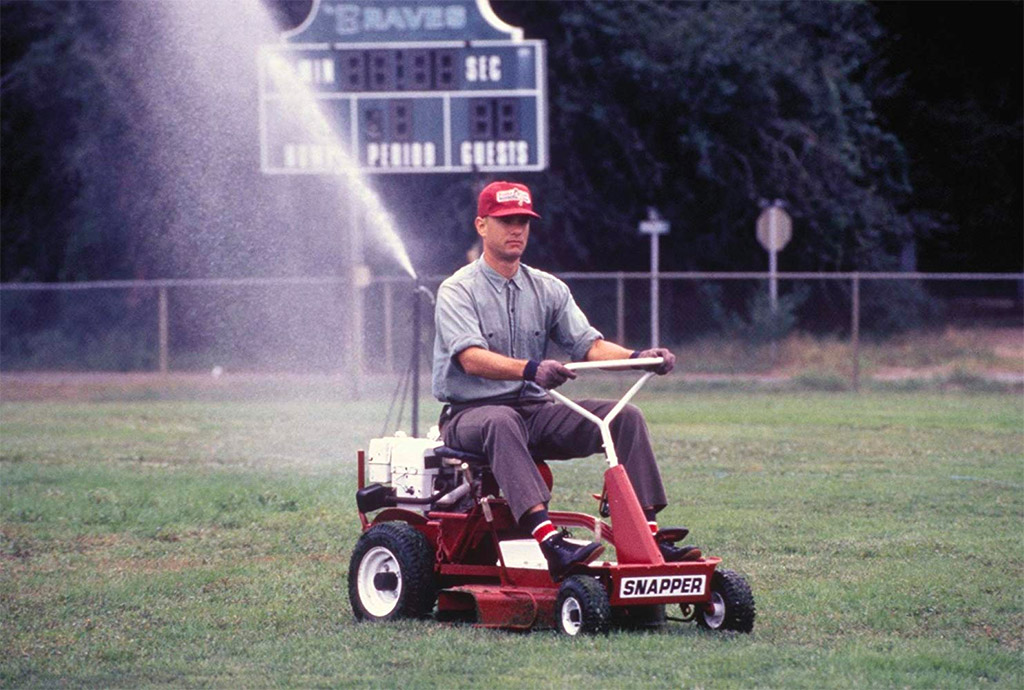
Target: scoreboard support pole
[357,294]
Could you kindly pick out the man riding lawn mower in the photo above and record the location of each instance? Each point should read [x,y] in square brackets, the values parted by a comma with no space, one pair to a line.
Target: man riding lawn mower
[445,532]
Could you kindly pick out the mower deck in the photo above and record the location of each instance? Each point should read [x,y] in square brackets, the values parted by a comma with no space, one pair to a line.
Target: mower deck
[524,598]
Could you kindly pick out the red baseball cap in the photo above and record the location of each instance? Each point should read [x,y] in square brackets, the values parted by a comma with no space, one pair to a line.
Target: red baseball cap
[505,199]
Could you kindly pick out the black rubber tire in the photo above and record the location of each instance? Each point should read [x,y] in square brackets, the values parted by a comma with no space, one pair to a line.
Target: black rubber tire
[736,604]
[391,574]
[646,617]
[582,607]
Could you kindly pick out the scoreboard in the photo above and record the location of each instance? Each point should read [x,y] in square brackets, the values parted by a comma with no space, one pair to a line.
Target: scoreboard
[473,100]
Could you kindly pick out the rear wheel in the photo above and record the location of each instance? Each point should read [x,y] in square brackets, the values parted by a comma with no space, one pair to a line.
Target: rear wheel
[391,574]
[731,606]
[582,607]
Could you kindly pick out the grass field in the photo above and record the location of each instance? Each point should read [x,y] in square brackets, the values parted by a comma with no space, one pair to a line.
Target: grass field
[181,543]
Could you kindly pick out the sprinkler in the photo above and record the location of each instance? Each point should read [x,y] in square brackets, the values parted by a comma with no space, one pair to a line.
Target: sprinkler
[413,371]
[417,338]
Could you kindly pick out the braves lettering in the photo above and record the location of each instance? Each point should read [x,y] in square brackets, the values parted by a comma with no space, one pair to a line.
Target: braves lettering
[350,19]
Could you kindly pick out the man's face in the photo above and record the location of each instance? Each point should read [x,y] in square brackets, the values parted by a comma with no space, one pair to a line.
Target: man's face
[504,237]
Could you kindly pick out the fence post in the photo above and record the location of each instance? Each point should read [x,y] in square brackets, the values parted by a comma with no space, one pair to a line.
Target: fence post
[655,294]
[620,309]
[162,328]
[855,330]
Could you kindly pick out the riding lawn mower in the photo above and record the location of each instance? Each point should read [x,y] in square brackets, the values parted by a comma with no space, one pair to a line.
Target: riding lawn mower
[442,541]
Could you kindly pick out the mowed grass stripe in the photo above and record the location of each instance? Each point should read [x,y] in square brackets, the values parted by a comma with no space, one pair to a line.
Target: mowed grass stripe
[206,544]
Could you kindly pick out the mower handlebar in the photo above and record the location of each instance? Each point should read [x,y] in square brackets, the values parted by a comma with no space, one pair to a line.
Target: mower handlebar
[616,364]
[605,424]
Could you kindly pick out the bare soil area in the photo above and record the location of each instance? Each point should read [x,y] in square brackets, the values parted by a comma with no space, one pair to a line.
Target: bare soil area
[953,357]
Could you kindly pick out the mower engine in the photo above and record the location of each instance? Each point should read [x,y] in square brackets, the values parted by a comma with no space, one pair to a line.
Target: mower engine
[404,472]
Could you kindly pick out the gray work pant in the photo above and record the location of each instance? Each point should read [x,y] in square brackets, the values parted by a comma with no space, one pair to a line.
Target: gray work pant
[511,436]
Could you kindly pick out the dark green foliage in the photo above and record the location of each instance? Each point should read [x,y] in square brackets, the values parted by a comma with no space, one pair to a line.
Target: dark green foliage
[889,307]
[758,324]
[97,330]
[73,149]
[698,109]
[704,109]
[959,116]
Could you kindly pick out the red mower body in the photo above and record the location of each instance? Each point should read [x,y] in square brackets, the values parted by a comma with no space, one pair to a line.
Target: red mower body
[440,534]
[475,583]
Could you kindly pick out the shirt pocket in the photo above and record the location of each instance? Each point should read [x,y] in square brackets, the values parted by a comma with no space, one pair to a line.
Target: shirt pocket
[494,324]
[534,337]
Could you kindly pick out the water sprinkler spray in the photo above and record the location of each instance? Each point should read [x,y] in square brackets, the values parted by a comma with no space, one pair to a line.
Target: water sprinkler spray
[299,101]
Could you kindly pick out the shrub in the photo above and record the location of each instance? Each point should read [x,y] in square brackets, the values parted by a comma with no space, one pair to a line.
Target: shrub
[759,324]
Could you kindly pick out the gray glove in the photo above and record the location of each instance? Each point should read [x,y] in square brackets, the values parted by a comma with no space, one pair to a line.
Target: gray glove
[660,369]
[547,374]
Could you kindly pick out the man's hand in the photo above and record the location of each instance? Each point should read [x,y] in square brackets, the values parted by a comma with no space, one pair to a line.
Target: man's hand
[547,374]
[660,369]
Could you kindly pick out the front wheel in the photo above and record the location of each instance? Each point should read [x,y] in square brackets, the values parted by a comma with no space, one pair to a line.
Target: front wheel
[647,617]
[731,606]
[391,574]
[582,607]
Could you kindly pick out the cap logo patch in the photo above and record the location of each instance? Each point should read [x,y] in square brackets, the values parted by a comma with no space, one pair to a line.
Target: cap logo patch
[517,195]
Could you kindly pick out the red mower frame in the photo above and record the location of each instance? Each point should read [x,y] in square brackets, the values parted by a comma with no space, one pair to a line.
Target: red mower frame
[406,560]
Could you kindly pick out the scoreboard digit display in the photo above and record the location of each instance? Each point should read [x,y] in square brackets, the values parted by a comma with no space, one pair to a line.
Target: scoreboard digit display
[473,100]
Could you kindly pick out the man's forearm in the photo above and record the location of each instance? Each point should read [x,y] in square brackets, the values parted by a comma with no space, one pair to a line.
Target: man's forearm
[604,349]
[490,365]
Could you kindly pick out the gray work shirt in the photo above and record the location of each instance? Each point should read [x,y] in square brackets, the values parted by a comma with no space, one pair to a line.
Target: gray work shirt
[517,317]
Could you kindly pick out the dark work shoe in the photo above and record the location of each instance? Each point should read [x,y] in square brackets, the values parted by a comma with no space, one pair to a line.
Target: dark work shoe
[563,555]
[673,553]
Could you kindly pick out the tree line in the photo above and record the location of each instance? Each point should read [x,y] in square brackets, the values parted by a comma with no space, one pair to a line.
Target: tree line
[886,137]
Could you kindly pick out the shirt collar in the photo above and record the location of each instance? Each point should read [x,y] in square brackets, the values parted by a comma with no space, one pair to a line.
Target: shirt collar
[499,281]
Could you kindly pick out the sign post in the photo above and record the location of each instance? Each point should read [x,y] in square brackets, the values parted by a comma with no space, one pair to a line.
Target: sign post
[655,227]
[774,231]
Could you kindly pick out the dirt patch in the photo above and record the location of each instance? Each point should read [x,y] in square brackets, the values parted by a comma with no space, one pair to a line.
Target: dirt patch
[112,386]
[909,373]
[992,354]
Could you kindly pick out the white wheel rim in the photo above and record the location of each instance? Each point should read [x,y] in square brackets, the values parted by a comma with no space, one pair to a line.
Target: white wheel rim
[572,616]
[714,614]
[378,602]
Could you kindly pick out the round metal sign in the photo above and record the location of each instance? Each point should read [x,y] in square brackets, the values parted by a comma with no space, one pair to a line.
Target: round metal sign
[774,228]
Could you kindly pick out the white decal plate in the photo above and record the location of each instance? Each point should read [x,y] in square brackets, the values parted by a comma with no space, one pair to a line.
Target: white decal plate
[661,586]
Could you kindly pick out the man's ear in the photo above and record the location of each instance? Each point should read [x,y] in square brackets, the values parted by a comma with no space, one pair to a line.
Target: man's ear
[481,226]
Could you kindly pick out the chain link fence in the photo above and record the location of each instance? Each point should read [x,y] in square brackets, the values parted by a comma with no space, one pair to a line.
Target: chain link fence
[723,321]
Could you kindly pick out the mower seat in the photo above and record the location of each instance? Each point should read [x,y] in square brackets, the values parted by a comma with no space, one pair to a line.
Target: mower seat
[463,455]
[479,462]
